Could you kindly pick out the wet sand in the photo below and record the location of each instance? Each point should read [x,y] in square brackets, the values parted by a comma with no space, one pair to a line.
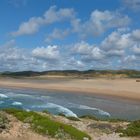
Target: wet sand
[115,88]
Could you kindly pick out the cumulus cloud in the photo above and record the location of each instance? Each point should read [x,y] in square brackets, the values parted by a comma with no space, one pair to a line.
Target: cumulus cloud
[136,34]
[136,49]
[11,56]
[48,53]
[82,48]
[116,46]
[120,49]
[52,15]
[57,34]
[130,61]
[116,43]
[9,52]
[99,22]
[88,52]
[29,27]
[95,25]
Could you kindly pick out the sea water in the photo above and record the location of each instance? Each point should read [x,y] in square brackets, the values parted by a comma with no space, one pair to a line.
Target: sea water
[70,104]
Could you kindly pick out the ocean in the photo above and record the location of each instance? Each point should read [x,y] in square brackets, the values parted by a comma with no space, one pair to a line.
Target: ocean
[70,104]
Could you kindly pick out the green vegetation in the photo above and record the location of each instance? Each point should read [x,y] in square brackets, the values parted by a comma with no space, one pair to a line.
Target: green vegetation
[103,119]
[61,114]
[73,118]
[133,129]
[115,120]
[76,73]
[46,111]
[90,117]
[44,125]
[20,74]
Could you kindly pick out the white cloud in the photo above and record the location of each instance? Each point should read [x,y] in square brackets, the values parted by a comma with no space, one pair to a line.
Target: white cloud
[52,15]
[82,48]
[116,41]
[130,61]
[136,49]
[11,56]
[95,55]
[116,46]
[9,52]
[88,52]
[73,63]
[120,49]
[29,27]
[99,22]
[57,34]
[136,34]
[48,53]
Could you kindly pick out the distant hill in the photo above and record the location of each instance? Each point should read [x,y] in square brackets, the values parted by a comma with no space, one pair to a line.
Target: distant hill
[76,73]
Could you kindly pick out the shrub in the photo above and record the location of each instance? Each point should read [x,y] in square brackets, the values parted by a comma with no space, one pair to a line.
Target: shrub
[133,129]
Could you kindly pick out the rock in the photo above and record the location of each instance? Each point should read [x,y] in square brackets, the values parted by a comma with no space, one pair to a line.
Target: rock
[85,138]
[3,122]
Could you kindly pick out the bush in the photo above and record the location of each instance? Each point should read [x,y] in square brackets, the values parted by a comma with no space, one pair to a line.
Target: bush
[133,129]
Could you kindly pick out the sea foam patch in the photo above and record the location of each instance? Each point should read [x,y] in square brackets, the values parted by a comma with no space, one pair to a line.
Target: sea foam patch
[12,94]
[17,103]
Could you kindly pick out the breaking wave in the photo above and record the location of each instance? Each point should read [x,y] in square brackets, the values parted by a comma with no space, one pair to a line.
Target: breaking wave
[3,96]
[59,108]
[101,112]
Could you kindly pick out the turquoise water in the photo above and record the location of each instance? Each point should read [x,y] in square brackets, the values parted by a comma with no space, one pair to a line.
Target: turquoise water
[70,104]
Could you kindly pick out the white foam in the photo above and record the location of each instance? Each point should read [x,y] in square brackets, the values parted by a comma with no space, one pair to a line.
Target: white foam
[59,108]
[17,103]
[12,94]
[3,96]
[101,112]
[104,113]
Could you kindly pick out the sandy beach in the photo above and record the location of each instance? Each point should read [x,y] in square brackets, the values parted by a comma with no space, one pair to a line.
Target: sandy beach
[121,88]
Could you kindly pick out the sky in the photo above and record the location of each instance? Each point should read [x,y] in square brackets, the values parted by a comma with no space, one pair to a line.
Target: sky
[42,35]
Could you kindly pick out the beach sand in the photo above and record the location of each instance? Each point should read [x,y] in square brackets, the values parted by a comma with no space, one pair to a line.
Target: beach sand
[116,88]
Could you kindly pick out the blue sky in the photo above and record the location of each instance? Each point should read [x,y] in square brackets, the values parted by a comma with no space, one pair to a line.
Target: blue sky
[69,34]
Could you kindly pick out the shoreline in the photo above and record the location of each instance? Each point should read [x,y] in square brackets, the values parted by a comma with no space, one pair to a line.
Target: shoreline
[127,89]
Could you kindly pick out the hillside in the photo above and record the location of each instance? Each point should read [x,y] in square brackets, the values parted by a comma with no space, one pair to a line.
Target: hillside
[76,73]
[20,125]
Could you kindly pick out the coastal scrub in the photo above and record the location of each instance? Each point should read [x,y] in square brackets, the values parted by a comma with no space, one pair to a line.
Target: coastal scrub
[45,126]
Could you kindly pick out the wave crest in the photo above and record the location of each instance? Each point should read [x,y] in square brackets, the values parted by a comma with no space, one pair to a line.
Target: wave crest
[59,109]
[3,96]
